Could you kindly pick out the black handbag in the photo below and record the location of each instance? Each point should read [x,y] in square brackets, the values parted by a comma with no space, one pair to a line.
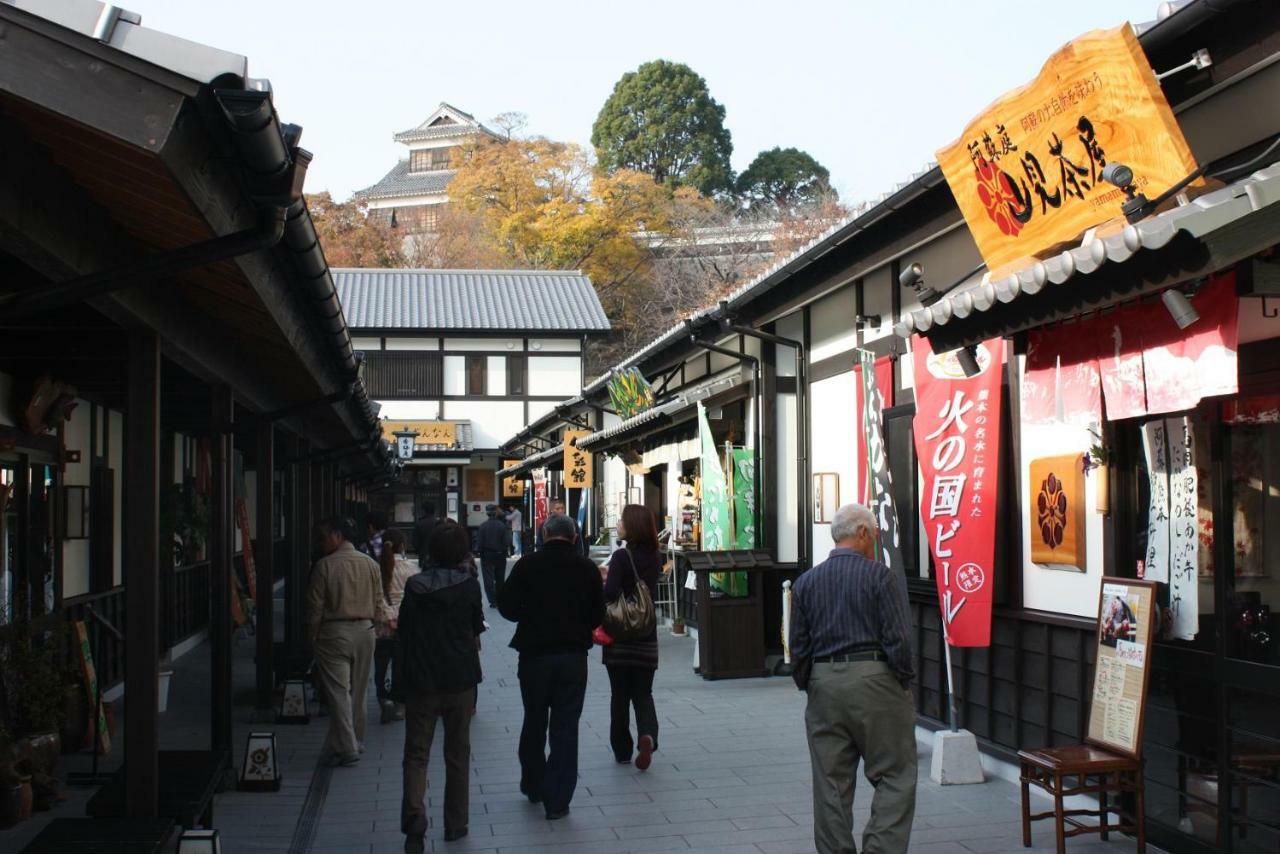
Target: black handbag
[631,617]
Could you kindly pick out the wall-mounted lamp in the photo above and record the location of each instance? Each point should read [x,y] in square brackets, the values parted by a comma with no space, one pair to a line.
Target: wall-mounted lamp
[968,359]
[1180,308]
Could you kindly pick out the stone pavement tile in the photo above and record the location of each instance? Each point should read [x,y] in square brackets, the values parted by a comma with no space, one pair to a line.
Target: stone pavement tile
[685,828]
[762,821]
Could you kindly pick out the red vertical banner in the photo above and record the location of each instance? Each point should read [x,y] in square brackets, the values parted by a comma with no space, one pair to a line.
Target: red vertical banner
[957,436]
[540,504]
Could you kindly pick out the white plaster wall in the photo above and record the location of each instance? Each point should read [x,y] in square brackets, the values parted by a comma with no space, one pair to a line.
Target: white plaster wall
[945,261]
[409,201]
[877,298]
[555,345]
[719,361]
[791,326]
[490,344]
[695,368]
[413,343]
[537,409]
[554,375]
[788,478]
[455,374]
[7,416]
[496,376]
[410,410]
[1058,590]
[365,343]
[116,462]
[834,445]
[831,324]
[492,421]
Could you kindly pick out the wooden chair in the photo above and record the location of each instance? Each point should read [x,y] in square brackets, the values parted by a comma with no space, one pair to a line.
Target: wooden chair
[1095,771]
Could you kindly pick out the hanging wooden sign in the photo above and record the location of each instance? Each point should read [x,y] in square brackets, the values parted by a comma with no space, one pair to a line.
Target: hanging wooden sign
[512,487]
[578,464]
[1126,626]
[1026,173]
[429,432]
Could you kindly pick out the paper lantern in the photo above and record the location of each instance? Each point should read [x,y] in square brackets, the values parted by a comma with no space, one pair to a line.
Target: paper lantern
[261,769]
[293,706]
[199,840]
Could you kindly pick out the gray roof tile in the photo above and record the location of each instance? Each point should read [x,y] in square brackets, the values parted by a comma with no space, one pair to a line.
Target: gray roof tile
[401,182]
[530,300]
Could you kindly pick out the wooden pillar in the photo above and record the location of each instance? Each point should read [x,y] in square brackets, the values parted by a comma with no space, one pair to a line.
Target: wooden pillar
[142,580]
[264,562]
[221,555]
[300,542]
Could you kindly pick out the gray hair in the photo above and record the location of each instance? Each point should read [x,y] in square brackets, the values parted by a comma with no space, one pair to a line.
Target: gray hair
[850,519]
[558,526]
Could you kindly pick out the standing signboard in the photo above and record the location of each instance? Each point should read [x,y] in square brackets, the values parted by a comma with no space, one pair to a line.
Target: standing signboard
[1126,625]
[957,436]
[578,464]
[1027,173]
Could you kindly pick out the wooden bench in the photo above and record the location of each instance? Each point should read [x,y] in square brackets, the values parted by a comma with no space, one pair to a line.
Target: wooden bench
[102,836]
[188,781]
[1096,771]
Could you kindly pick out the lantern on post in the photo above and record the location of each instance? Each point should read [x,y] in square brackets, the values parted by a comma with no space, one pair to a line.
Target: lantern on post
[261,769]
[404,443]
[199,840]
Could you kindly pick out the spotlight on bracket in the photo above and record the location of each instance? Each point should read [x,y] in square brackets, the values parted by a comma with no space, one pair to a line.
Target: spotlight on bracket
[968,359]
[913,277]
[1180,308]
[1135,206]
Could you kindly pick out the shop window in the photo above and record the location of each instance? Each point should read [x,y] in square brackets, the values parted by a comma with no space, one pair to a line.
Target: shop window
[477,375]
[76,512]
[516,370]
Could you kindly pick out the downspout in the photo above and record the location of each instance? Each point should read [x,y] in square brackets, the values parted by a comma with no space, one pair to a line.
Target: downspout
[758,438]
[803,506]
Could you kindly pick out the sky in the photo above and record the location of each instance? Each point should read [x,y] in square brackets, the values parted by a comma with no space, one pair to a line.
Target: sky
[870,88]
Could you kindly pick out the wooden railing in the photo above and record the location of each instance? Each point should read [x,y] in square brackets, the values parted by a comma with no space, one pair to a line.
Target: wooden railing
[106,648]
[187,601]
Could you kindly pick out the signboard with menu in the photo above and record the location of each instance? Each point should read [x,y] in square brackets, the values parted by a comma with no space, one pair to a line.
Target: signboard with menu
[1027,172]
[1126,628]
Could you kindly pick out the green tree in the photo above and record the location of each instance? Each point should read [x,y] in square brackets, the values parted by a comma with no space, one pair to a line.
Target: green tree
[784,179]
[662,120]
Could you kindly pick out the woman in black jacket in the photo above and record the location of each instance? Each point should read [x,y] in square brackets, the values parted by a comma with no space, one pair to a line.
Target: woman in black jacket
[632,664]
[437,670]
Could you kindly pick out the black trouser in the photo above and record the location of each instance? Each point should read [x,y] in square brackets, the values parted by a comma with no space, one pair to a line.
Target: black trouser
[383,649]
[552,688]
[630,686]
[493,569]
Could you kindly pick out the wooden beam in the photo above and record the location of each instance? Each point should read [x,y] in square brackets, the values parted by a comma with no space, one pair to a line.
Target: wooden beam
[142,581]
[264,563]
[221,553]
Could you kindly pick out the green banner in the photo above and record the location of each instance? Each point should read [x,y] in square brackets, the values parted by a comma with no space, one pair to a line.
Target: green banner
[717,527]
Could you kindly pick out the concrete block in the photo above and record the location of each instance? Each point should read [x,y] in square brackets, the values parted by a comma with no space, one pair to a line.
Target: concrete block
[955,758]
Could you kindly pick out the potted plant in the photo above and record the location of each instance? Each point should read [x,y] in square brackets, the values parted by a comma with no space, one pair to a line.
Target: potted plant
[677,625]
[11,791]
[36,698]
[1098,459]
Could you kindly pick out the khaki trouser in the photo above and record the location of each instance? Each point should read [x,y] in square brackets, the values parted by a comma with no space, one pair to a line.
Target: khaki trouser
[344,657]
[421,714]
[858,711]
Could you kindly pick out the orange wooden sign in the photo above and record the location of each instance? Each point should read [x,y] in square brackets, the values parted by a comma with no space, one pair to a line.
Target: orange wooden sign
[1056,523]
[512,487]
[1026,173]
[578,464]
[429,432]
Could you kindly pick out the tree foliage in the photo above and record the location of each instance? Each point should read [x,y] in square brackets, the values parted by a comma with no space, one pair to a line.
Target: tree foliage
[351,238]
[662,120]
[783,179]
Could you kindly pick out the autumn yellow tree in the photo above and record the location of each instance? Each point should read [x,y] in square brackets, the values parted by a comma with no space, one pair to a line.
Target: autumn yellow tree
[350,237]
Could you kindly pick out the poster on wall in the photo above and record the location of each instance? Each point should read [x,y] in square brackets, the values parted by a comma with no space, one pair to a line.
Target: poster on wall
[1055,526]
[1173,523]
[1126,622]
[878,483]
[957,437]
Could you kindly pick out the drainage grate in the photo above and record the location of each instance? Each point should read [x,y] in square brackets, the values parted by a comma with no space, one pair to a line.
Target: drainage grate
[304,832]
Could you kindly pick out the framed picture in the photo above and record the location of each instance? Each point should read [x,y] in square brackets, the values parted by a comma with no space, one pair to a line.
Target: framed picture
[826,496]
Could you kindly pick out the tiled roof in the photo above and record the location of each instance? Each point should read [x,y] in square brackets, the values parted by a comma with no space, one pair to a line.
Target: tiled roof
[1199,217]
[529,300]
[542,458]
[437,131]
[401,182]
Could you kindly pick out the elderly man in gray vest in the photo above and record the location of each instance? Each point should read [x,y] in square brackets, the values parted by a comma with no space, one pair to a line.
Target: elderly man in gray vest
[849,618]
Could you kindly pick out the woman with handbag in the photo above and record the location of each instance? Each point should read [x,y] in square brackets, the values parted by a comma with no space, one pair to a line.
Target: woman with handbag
[396,572]
[630,589]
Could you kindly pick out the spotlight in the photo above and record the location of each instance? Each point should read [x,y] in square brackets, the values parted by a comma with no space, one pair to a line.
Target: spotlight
[913,277]
[968,359]
[1135,206]
[1180,308]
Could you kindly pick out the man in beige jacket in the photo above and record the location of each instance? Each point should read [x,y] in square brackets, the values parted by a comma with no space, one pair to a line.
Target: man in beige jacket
[342,601]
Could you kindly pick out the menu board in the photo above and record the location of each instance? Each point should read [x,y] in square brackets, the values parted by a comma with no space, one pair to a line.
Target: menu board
[1125,629]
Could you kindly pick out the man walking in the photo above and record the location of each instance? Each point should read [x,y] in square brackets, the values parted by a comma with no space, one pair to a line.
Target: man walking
[556,598]
[493,540]
[342,599]
[558,509]
[422,533]
[516,518]
[849,617]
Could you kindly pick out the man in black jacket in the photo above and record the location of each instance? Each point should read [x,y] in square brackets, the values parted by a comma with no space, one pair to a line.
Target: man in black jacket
[422,533]
[437,670]
[556,598]
[493,541]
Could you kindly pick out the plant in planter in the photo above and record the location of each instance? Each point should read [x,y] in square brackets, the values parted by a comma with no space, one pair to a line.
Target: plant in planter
[677,626]
[1098,458]
[36,696]
[184,522]
[11,793]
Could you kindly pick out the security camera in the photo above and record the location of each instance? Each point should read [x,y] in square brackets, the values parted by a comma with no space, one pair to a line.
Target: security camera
[1117,174]
[912,276]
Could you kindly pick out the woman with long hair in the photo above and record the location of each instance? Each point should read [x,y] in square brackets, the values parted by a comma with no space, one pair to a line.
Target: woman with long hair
[632,664]
[437,671]
[396,572]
